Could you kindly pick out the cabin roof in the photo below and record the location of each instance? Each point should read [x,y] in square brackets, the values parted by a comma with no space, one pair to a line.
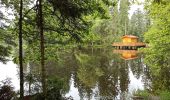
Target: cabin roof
[129,36]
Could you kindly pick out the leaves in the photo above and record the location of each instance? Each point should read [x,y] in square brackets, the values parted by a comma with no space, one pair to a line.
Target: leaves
[158,53]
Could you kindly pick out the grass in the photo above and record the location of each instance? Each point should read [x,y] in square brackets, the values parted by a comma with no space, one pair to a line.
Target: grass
[141,93]
[163,95]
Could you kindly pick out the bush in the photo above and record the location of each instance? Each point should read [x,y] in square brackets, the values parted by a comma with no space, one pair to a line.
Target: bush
[6,90]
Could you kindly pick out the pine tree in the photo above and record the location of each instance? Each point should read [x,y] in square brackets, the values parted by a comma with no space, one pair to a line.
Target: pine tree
[20,53]
[123,17]
[138,24]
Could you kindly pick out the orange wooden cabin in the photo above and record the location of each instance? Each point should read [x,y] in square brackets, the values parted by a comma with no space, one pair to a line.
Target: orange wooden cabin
[129,39]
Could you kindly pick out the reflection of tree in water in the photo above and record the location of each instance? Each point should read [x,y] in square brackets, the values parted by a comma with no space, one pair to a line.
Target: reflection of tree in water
[84,91]
[140,70]
[58,68]
[108,83]
[123,76]
[63,68]
[108,86]
[87,75]
[97,69]
[147,77]
[158,73]
[136,66]
[32,78]
[88,71]
[94,72]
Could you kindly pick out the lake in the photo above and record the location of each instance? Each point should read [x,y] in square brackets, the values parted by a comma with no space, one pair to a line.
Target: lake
[86,74]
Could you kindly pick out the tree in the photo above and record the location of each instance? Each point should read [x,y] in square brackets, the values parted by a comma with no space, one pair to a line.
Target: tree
[123,17]
[158,54]
[6,39]
[69,15]
[42,48]
[138,24]
[20,53]
[157,36]
[58,22]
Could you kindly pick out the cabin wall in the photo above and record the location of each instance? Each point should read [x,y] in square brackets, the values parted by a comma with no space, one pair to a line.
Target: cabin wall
[126,40]
[134,40]
[130,40]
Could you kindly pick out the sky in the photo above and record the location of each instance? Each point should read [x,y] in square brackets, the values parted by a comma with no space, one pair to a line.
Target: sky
[135,7]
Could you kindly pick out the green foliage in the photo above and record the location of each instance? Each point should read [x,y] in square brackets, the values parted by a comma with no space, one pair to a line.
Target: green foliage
[65,22]
[123,18]
[164,95]
[104,29]
[6,42]
[108,30]
[82,58]
[54,88]
[138,24]
[141,93]
[75,9]
[6,90]
[4,53]
[158,37]
[158,53]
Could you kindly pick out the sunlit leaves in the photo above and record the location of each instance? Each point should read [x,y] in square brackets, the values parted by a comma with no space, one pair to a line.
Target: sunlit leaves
[158,53]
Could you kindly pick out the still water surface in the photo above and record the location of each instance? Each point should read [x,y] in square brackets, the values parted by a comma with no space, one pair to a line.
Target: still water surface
[88,74]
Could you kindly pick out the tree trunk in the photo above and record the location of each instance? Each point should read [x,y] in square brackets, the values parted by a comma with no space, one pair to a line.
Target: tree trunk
[42,48]
[20,53]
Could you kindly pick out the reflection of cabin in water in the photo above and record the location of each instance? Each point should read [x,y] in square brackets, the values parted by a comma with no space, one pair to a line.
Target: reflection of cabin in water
[127,54]
[129,42]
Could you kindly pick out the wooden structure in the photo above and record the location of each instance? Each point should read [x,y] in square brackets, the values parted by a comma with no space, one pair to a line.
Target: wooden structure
[127,54]
[129,42]
[130,39]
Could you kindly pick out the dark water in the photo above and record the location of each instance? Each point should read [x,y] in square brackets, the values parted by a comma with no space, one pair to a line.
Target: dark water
[89,74]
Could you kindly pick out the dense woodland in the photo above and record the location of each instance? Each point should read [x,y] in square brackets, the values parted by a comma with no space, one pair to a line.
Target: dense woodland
[34,31]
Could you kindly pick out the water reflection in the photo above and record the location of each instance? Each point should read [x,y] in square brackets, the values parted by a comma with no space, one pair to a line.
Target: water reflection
[127,54]
[90,74]
[10,70]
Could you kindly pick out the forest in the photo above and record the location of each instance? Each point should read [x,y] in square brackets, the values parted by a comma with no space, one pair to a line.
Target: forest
[59,43]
